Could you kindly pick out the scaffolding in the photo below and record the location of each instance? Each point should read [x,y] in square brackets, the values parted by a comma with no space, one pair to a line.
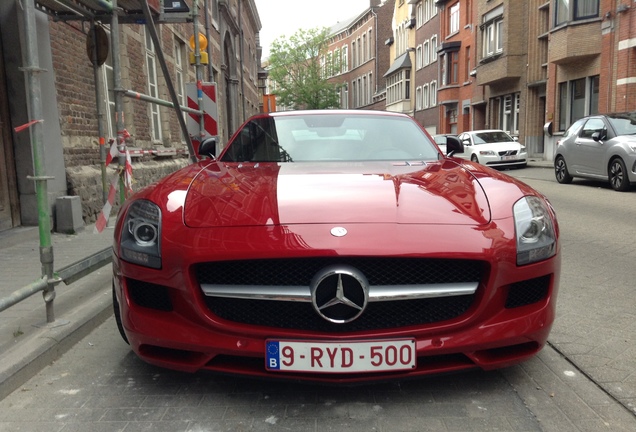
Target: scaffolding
[94,12]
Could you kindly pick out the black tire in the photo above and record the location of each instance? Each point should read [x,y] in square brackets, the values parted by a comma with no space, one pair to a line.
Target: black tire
[474,158]
[561,171]
[617,175]
[117,314]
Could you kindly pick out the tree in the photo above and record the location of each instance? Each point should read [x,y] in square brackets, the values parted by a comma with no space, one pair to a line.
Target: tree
[299,68]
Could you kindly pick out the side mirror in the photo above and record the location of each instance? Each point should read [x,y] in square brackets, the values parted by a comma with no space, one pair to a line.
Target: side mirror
[208,147]
[598,136]
[453,145]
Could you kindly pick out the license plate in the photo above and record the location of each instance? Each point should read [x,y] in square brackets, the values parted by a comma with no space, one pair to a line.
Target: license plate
[508,157]
[340,357]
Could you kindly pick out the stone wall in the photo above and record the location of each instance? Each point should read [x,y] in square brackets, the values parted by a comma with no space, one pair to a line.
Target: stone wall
[86,182]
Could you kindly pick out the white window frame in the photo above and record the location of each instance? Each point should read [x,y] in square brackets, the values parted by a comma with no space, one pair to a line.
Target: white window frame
[427,53]
[453,18]
[425,96]
[345,58]
[433,48]
[433,93]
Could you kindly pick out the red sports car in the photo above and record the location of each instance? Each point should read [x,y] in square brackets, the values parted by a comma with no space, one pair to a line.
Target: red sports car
[335,246]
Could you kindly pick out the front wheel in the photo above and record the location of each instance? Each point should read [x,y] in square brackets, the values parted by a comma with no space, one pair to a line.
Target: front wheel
[561,171]
[474,158]
[618,175]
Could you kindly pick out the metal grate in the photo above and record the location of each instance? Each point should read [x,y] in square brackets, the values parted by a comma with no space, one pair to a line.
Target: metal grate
[528,292]
[149,295]
[378,271]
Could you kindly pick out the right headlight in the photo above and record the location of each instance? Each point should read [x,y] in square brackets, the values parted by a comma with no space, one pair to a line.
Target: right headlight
[534,230]
[141,234]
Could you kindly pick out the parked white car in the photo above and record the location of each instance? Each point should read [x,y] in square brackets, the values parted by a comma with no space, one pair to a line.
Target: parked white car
[494,148]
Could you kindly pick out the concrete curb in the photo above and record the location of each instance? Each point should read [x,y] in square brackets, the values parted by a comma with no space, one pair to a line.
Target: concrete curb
[49,342]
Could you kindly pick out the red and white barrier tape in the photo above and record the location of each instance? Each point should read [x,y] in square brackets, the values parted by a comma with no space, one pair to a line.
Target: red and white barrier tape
[102,219]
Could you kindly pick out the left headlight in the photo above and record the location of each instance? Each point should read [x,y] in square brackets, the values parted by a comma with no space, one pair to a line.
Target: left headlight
[534,230]
[141,234]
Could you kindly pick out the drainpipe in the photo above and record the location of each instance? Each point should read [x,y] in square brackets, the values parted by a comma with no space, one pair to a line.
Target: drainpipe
[100,118]
[375,25]
[241,62]
[32,77]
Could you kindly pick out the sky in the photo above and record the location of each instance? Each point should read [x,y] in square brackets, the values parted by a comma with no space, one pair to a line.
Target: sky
[285,17]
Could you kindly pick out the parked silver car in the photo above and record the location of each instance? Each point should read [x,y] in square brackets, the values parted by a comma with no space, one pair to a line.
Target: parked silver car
[599,147]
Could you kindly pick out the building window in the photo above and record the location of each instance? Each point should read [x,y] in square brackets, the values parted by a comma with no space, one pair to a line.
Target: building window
[179,53]
[337,64]
[420,15]
[418,98]
[434,49]
[453,24]
[493,37]
[572,10]
[426,60]
[577,99]
[153,88]
[433,90]
[370,46]
[345,58]
[363,48]
[509,118]
[344,103]
[450,68]
[353,55]
[108,85]
[451,115]
[454,68]
[585,9]
[398,86]
[418,57]
[467,64]
[425,96]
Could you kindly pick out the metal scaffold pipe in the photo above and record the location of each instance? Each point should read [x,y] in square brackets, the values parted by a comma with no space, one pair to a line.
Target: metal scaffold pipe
[32,76]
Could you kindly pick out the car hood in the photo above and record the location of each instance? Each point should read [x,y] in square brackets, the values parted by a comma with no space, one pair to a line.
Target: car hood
[228,195]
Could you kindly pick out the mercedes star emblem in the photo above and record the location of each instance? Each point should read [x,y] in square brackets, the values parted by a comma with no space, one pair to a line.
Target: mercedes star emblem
[339,293]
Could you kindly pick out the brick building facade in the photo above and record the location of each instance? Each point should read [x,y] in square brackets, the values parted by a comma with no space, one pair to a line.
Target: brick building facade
[72,112]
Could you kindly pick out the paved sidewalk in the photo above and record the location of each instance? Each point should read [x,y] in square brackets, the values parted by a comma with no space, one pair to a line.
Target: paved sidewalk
[27,341]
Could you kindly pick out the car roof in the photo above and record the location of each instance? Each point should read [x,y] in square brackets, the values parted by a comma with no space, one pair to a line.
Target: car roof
[349,112]
[486,130]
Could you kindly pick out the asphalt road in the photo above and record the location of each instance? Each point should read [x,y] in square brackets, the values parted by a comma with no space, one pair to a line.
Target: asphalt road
[585,380]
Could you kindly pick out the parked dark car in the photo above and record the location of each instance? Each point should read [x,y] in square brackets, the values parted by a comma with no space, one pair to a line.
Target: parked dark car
[601,147]
[335,246]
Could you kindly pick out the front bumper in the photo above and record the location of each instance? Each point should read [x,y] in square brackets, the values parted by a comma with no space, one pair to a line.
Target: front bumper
[177,330]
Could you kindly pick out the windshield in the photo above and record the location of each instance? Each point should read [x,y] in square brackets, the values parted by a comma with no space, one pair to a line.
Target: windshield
[492,137]
[329,137]
[624,124]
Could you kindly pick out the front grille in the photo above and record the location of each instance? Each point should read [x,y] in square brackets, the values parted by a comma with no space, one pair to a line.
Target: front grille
[528,292]
[378,271]
[508,153]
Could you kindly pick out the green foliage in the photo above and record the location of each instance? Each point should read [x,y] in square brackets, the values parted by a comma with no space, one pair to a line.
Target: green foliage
[299,67]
